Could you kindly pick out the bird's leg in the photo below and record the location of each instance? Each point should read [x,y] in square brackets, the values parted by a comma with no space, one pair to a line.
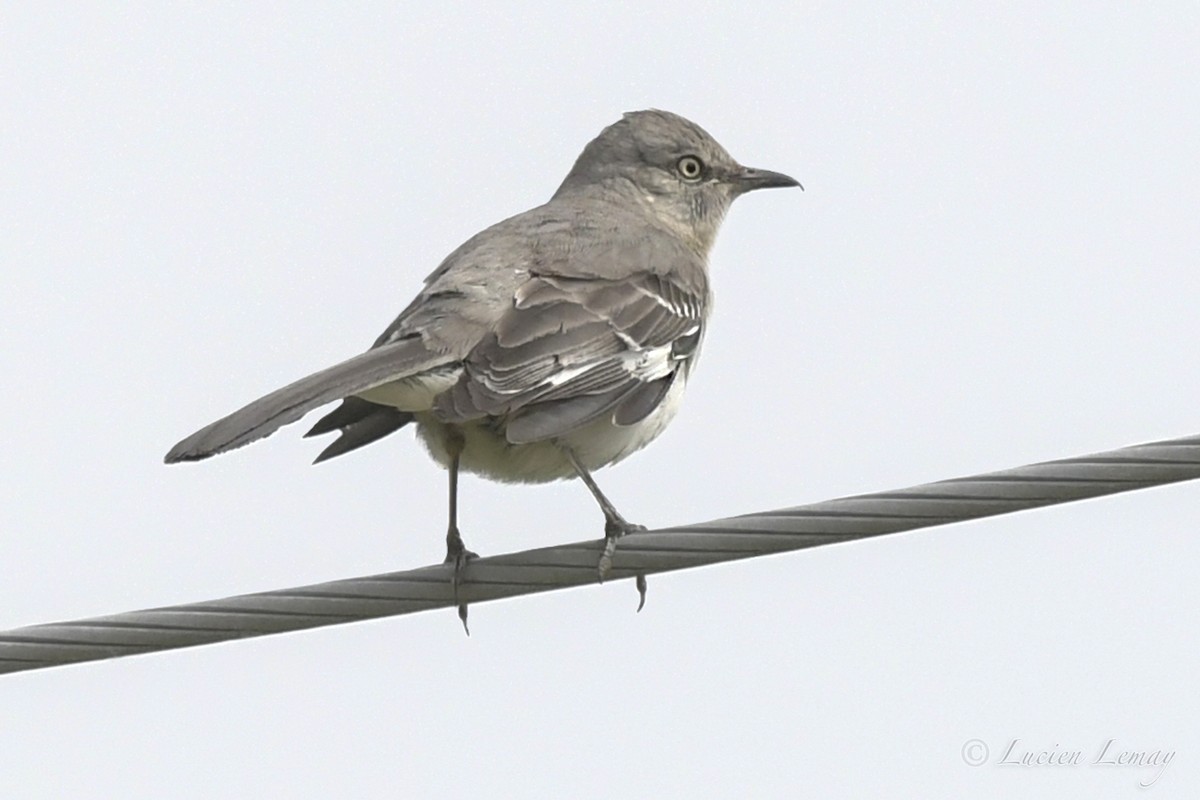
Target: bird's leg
[456,552]
[615,525]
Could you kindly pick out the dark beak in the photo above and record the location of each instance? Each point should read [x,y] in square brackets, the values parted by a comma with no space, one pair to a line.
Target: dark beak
[748,179]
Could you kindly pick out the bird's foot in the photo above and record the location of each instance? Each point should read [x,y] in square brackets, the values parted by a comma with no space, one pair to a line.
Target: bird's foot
[615,526]
[458,555]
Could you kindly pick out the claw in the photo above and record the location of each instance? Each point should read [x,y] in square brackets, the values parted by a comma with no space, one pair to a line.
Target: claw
[614,528]
[458,555]
[460,565]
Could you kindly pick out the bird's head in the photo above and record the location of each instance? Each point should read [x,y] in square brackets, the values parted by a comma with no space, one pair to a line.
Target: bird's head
[671,167]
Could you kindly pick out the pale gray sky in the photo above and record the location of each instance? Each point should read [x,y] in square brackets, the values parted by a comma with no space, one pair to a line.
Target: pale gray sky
[995,262]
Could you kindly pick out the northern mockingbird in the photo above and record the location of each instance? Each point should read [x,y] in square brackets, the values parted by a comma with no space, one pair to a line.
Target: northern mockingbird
[549,345]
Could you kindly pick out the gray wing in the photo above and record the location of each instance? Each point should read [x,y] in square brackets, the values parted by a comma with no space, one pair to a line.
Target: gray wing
[572,350]
[264,416]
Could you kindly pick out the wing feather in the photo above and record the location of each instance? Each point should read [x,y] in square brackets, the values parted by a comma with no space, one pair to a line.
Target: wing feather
[571,350]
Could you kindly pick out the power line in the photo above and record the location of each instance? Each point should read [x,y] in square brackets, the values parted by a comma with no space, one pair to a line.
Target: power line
[563,566]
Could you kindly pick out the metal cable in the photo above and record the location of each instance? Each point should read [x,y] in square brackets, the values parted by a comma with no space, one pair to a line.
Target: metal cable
[563,566]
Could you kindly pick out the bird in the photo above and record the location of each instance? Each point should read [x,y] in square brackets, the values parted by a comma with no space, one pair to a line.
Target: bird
[551,344]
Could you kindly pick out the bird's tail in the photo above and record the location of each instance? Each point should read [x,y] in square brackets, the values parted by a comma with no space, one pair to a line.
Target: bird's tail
[266,415]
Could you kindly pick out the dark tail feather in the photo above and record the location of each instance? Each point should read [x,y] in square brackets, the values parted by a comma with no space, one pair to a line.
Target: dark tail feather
[351,410]
[361,422]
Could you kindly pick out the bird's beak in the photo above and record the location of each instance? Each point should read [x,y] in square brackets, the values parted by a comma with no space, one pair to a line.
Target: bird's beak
[747,179]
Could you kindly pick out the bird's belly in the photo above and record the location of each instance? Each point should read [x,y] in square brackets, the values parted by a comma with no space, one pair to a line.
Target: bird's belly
[486,452]
[602,443]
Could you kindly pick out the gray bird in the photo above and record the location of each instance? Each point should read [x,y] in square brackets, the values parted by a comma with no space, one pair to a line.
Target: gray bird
[549,345]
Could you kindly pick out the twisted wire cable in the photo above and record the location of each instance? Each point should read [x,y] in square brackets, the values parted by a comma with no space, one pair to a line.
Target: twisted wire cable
[563,566]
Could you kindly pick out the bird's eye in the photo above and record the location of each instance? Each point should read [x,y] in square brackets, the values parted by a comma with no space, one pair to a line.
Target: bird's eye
[690,168]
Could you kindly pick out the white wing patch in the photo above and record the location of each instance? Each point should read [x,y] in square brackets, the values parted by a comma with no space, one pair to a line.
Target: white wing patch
[681,309]
[652,364]
[564,375]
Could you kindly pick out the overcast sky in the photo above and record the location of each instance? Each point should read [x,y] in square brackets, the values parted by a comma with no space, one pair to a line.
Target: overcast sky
[995,262]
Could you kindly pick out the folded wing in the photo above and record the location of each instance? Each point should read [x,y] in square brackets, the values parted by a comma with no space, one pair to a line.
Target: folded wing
[572,350]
